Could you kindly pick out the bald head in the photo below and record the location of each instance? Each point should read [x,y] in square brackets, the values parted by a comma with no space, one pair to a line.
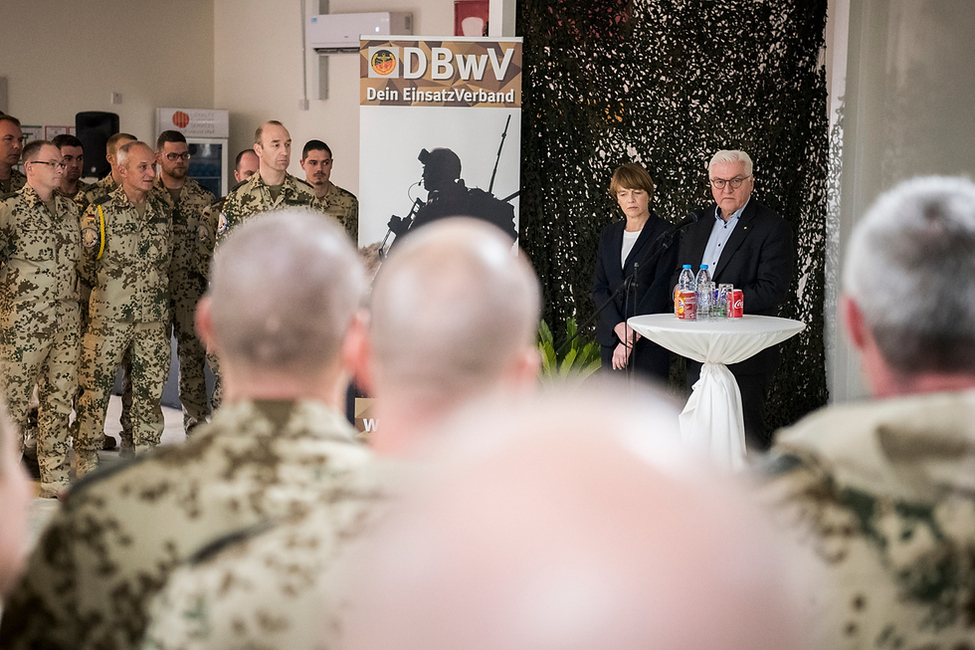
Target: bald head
[562,538]
[285,287]
[451,310]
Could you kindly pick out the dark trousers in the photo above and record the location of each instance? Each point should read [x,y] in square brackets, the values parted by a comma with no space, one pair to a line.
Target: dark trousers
[753,387]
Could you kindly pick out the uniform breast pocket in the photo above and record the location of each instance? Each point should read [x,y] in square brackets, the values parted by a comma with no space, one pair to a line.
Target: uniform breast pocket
[35,245]
[124,245]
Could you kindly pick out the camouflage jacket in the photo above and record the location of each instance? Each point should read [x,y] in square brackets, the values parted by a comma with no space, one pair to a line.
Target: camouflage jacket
[126,259]
[194,202]
[266,587]
[82,188]
[206,236]
[95,191]
[16,181]
[342,205]
[110,548]
[39,255]
[881,492]
[253,197]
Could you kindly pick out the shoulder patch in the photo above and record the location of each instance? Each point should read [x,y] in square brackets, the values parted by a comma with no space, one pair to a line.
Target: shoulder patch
[222,223]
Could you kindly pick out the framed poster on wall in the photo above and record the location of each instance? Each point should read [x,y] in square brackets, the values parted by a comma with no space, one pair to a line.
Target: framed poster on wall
[471,17]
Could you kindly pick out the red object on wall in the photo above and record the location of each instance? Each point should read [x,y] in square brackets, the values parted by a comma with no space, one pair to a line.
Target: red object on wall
[180,119]
[471,15]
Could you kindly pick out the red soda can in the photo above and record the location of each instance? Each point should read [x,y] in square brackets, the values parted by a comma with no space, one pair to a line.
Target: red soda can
[736,304]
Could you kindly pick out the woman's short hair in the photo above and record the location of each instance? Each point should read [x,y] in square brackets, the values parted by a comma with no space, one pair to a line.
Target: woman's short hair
[631,176]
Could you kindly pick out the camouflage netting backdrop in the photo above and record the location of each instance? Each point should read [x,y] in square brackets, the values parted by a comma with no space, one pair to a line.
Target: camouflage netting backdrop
[666,83]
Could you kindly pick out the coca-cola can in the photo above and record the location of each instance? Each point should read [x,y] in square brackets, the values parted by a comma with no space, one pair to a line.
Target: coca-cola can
[736,304]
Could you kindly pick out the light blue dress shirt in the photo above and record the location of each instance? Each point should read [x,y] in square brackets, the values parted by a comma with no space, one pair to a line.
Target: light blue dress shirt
[720,233]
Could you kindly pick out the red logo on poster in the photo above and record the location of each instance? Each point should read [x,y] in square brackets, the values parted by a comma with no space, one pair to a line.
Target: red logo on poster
[181,119]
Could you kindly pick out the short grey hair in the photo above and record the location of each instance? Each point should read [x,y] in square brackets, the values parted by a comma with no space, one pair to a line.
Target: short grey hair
[122,155]
[731,156]
[451,308]
[285,287]
[910,269]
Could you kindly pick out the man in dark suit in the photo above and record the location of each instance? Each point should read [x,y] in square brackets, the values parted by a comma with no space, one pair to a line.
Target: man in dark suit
[747,244]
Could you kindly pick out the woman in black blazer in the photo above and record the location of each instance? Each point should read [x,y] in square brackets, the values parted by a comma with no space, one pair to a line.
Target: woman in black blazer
[623,245]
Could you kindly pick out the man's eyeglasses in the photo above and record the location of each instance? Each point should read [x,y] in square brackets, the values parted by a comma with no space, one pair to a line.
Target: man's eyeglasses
[719,183]
[173,157]
[52,163]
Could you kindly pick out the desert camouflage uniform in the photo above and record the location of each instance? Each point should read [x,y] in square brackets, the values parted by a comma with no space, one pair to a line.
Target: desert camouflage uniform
[39,321]
[253,197]
[83,187]
[881,492]
[105,555]
[342,205]
[268,587]
[95,191]
[247,199]
[128,312]
[186,286]
[16,181]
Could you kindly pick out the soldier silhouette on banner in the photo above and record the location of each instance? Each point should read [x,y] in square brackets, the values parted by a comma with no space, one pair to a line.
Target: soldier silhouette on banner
[449,196]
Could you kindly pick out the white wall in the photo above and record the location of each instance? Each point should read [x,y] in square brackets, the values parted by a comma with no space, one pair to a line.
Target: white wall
[908,110]
[258,73]
[61,57]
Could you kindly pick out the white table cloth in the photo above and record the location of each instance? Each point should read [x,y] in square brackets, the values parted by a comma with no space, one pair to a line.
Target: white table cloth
[711,422]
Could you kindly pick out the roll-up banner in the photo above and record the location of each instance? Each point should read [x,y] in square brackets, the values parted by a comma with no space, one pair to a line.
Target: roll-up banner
[440,134]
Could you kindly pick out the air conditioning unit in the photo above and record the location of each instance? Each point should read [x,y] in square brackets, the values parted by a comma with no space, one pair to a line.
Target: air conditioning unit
[330,33]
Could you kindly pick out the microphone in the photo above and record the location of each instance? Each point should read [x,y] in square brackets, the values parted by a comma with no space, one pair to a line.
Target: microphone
[691,217]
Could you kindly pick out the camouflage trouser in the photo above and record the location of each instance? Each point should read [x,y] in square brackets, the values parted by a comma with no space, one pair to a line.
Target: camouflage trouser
[190,351]
[216,399]
[102,349]
[52,364]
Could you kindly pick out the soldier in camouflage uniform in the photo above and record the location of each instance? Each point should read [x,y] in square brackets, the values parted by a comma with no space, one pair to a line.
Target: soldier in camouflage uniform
[111,181]
[188,202]
[222,598]
[95,192]
[316,161]
[281,305]
[40,247]
[272,187]
[73,155]
[11,145]
[127,239]
[881,491]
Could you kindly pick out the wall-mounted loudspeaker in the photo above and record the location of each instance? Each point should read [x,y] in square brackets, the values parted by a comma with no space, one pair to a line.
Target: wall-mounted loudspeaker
[94,128]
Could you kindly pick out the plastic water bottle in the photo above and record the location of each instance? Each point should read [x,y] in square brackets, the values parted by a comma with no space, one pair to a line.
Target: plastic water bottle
[685,295]
[705,293]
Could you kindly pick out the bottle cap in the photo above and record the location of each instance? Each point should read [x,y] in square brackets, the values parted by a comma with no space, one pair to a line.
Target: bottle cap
[687,266]
[704,266]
